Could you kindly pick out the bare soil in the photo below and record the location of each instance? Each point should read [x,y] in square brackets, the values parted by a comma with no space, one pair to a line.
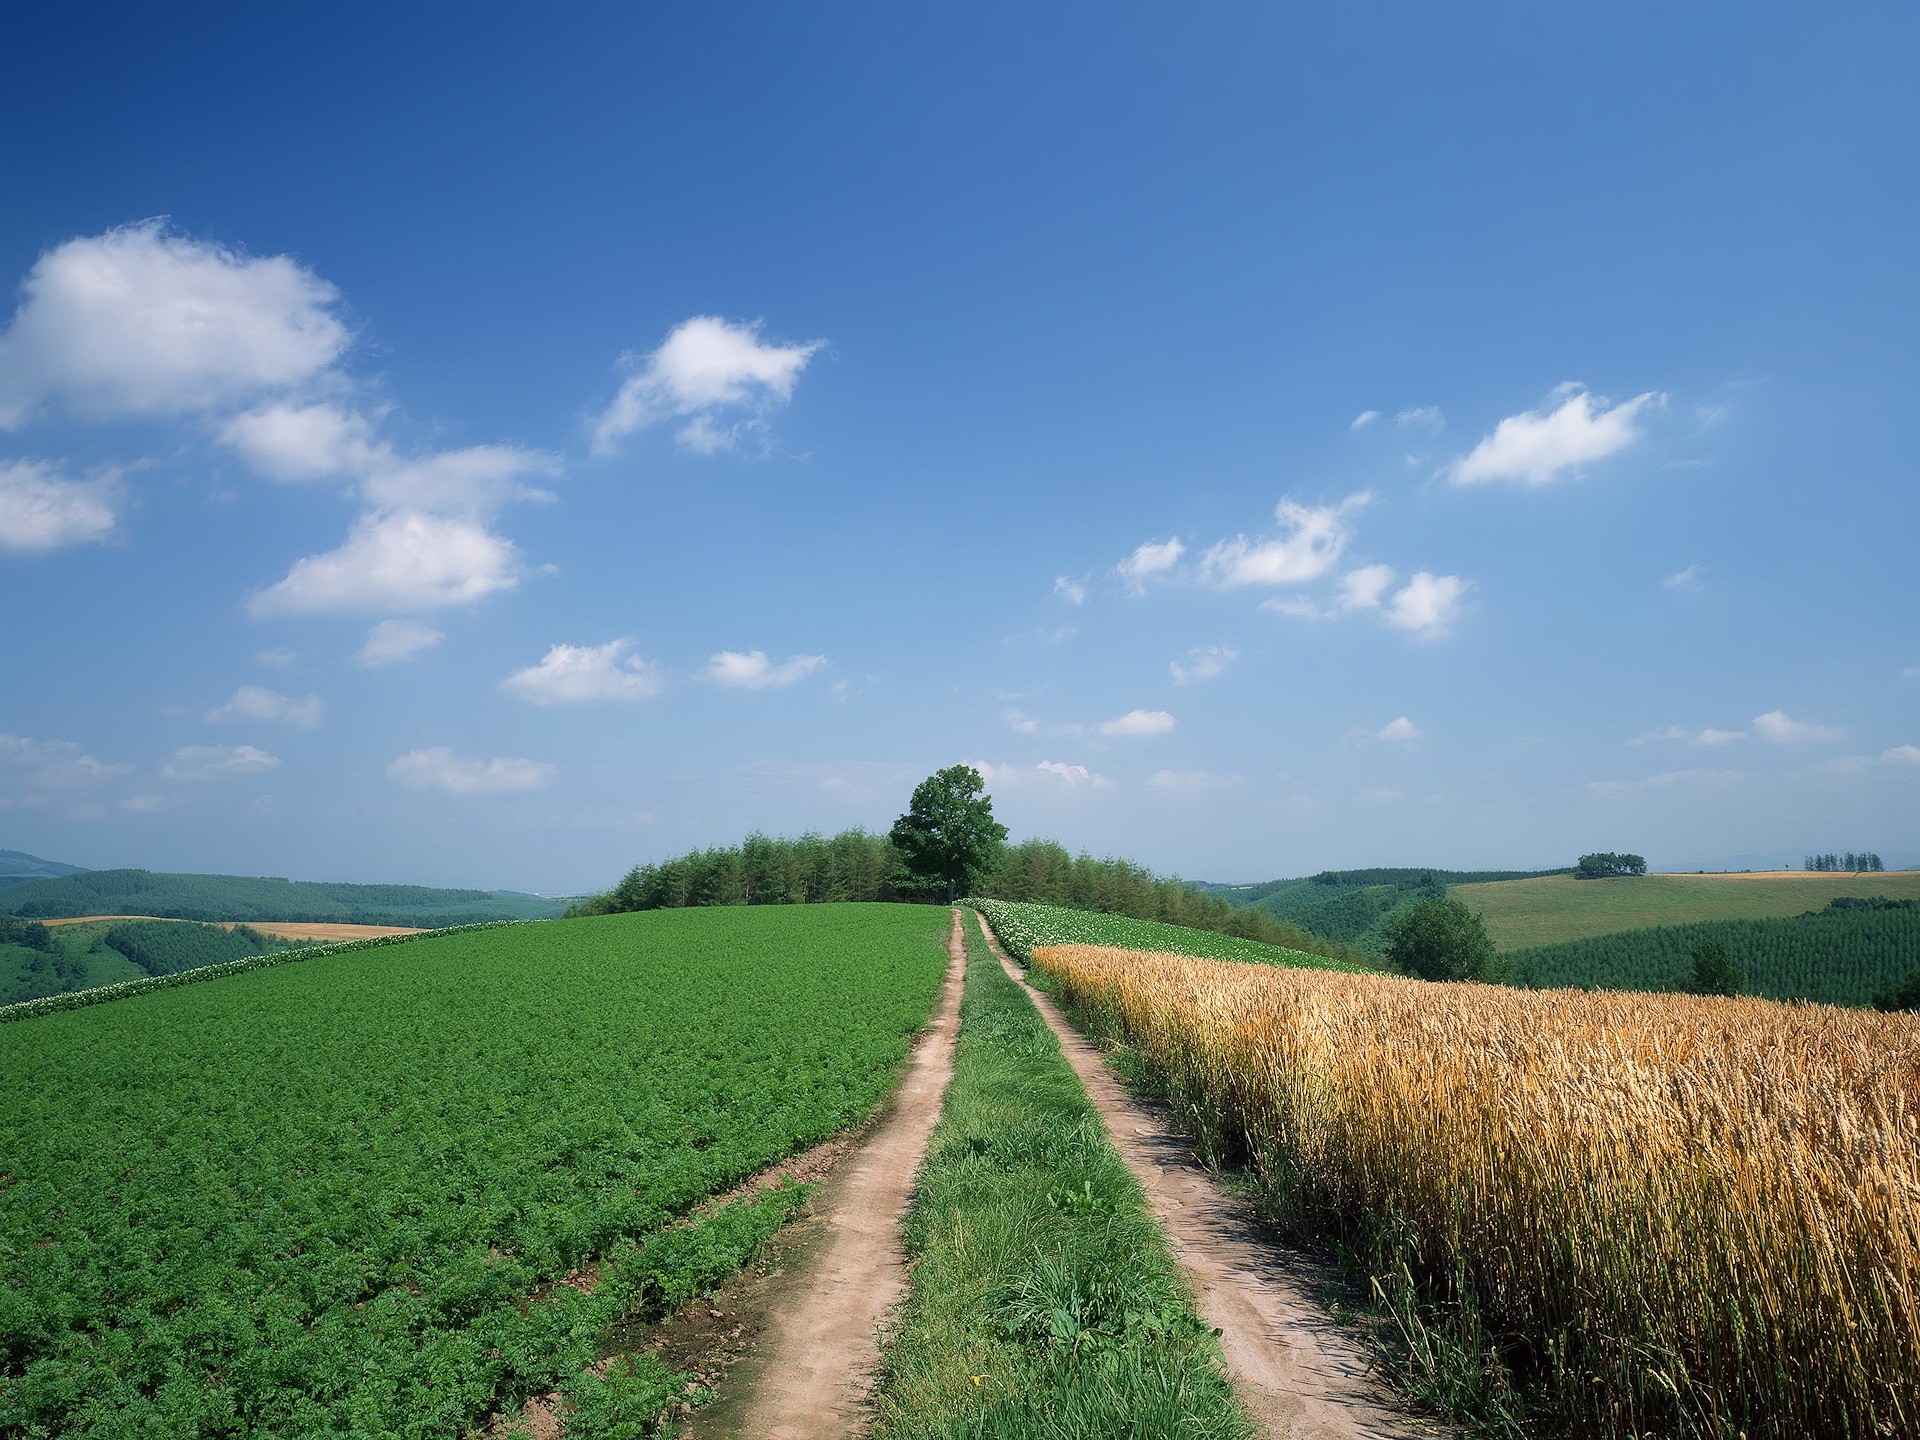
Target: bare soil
[1298,1372]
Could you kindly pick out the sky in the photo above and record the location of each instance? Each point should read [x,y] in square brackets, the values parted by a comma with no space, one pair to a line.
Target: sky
[500,446]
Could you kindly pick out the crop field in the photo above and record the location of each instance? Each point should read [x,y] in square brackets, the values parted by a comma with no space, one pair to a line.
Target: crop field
[1668,1215]
[319,1198]
[1022,926]
[1553,908]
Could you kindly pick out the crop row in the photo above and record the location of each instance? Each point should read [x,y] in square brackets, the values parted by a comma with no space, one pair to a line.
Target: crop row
[317,1199]
[1022,927]
[1672,1214]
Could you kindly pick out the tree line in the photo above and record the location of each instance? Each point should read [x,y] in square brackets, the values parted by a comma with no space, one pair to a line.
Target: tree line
[1607,864]
[1854,861]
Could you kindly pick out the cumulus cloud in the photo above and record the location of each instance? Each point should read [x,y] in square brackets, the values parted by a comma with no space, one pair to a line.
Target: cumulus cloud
[1538,447]
[1154,558]
[1363,589]
[217,762]
[706,371]
[392,641]
[256,703]
[754,670]
[1687,579]
[41,509]
[1308,544]
[1137,722]
[1203,662]
[400,561]
[1428,605]
[438,768]
[1782,729]
[139,321]
[1364,419]
[1402,730]
[572,674]
[1073,777]
[1073,592]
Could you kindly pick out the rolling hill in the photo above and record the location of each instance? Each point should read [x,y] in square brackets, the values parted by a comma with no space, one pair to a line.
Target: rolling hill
[17,866]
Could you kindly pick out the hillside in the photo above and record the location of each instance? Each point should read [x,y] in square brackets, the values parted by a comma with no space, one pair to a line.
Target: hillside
[1549,909]
[1840,956]
[238,897]
[17,866]
[1351,906]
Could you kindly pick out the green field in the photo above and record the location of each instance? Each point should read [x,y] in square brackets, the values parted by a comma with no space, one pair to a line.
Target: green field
[1554,908]
[1022,926]
[316,1198]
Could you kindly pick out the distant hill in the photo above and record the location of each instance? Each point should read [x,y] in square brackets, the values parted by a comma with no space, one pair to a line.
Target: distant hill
[1352,906]
[238,897]
[17,865]
[1550,909]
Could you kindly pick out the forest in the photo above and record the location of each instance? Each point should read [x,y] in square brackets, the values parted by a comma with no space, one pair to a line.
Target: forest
[859,865]
[1855,862]
[248,897]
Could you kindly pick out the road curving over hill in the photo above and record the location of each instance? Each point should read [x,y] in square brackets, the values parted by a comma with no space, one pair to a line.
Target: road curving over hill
[1299,1375]
[815,1362]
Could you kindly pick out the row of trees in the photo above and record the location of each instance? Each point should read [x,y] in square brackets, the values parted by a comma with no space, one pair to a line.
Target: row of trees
[1854,861]
[1607,864]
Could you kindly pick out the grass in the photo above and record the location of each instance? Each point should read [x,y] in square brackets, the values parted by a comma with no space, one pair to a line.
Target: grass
[1022,926]
[1044,1304]
[316,1198]
[1648,1215]
[1553,908]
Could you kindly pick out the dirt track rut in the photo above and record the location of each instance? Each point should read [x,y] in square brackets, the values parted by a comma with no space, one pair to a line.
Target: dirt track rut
[1298,1374]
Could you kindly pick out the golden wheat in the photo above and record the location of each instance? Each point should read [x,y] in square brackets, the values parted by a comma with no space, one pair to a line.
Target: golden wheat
[1696,1216]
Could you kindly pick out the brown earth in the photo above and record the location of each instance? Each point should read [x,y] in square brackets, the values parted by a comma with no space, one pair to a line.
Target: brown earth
[1299,1374]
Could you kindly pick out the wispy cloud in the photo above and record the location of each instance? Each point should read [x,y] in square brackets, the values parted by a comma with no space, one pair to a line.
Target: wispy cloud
[1071,591]
[1364,419]
[1308,543]
[1203,662]
[754,670]
[1401,730]
[199,763]
[439,768]
[1680,734]
[1782,729]
[256,703]
[1539,446]
[1136,723]
[393,641]
[1687,579]
[42,509]
[576,674]
[1423,417]
[717,377]
[1150,561]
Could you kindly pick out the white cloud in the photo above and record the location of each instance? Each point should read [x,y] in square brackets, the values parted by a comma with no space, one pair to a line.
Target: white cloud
[1687,579]
[1137,722]
[570,674]
[392,641]
[1426,417]
[1073,592]
[753,670]
[1667,781]
[1364,419]
[1155,557]
[1780,728]
[1402,730]
[1428,604]
[1074,777]
[706,368]
[1022,722]
[40,509]
[53,764]
[1539,447]
[1901,755]
[217,762]
[438,768]
[1308,544]
[289,442]
[1681,734]
[1203,662]
[402,561]
[256,703]
[1296,605]
[1364,588]
[140,322]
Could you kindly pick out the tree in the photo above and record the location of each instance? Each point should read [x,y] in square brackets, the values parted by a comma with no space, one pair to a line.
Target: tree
[948,835]
[1440,940]
[1714,972]
[1605,864]
[1903,996]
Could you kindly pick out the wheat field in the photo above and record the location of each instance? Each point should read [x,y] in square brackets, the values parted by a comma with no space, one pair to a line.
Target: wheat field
[1678,1215]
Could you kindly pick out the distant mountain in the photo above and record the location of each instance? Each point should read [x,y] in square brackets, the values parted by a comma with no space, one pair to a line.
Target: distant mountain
[243,897]
[17,865]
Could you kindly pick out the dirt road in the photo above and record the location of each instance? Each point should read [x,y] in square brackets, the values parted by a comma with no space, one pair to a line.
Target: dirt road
[817,1357]
[1299,1375]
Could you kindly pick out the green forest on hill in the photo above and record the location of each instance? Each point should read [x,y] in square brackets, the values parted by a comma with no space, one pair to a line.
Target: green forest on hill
[245,897]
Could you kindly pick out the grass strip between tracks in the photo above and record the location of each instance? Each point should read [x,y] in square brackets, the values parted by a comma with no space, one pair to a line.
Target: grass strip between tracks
[1045,1303]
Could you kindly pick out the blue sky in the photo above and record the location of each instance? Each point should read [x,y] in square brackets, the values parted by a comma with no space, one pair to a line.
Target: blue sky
[496,449]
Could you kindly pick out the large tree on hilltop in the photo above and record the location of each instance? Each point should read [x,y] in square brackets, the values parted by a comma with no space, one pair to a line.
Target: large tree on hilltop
[948,835]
